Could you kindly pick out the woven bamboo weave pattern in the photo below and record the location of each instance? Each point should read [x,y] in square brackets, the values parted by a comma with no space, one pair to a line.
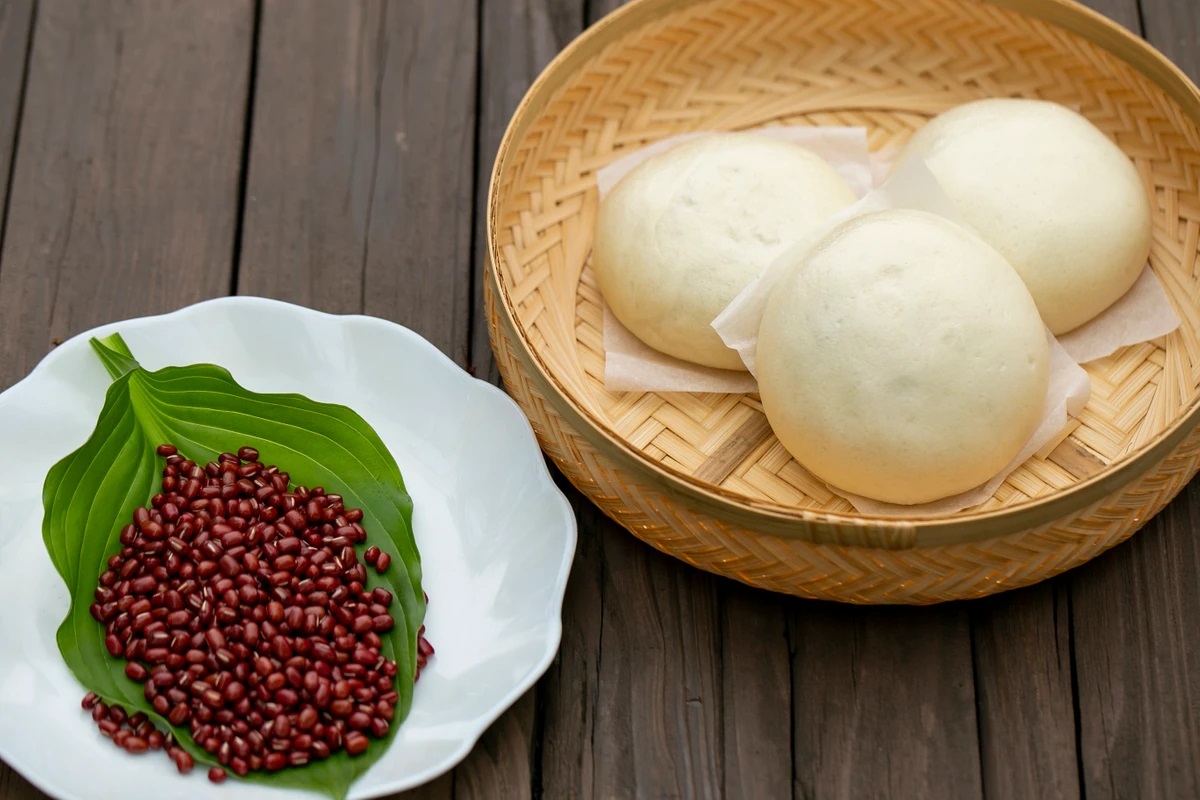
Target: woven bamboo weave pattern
[887,65]
[879,574]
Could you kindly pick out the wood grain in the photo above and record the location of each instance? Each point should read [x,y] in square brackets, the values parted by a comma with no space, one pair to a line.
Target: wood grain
[756,692]
[359,195]
[634,705]
[417,265]
[501,764]
[883,702]
[16,29]
[441,788]
[659,711]
[1022,652]
[1173,26]
[16,19]
[570,689]
[595,9]
[1123,11]
[312,161]
[1136,611]
[124,189]
[519,37]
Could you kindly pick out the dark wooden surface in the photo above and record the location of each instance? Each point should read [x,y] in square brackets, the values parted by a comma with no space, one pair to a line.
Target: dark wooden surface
[335,153]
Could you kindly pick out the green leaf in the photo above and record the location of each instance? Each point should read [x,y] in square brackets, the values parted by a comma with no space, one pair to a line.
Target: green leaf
[115,355]
[92,493]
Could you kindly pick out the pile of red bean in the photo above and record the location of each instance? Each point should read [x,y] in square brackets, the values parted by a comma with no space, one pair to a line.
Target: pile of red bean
[242,608]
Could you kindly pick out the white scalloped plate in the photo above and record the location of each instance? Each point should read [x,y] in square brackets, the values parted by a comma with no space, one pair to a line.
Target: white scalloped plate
[496,535]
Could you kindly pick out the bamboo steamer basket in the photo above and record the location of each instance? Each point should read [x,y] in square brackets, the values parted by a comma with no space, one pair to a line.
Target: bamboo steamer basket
[700,476]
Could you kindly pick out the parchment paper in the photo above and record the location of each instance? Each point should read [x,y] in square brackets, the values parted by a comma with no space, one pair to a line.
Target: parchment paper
[1144,313]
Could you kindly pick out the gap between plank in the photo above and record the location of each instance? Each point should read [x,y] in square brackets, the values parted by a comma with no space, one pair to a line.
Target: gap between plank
[16,140]
[537,789]
[478,208]
[589,791]
[247,139]
[380,72]
[978,707]
[1074,690]
[791,649]
[720,605]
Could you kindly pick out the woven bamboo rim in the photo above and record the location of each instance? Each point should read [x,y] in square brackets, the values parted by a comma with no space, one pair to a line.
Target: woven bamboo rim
[701,476]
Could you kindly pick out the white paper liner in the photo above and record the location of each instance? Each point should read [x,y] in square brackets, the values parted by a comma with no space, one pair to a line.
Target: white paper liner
[631,365]
[1143,313]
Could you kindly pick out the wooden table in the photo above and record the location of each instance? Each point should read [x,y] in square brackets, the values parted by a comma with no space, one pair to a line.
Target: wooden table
[336,154]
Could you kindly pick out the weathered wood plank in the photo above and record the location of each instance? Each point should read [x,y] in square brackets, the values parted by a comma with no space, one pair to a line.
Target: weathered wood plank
[312,160]
[124,193]
[519,39]
[16,20]
[595,9]
[1123,11]
[1135,615]
[438,789]
[884,704]
[1022,649]
[1136,610]
[421,211]
[570,690]
[757,690]
[633,706]
[124,189]
[1173,26]
[501,765]
[359,196]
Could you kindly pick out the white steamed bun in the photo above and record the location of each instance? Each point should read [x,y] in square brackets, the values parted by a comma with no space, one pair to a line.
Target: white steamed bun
[902,358]
[684,232]
[1051,192]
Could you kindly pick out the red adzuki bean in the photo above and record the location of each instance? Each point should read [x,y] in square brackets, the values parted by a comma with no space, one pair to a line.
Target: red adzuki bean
[356,743]
[242,608]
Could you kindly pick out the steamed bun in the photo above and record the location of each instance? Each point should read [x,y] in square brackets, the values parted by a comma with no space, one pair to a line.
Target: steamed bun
[902,358]
[683,233]
[1051,192]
